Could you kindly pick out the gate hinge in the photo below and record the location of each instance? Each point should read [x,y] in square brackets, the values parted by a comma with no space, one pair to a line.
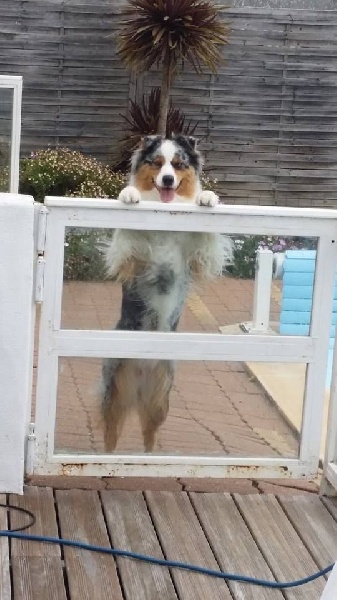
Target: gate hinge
[39,278]
[40,248]
[30,454]
[42,230]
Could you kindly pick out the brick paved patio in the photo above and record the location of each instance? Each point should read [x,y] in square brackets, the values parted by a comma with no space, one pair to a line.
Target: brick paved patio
[216,408]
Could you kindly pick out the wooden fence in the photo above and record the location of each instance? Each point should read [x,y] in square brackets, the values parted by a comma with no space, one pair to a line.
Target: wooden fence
[268,120]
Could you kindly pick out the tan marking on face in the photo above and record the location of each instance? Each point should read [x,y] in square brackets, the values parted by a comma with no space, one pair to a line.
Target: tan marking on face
[187,186]
[146,175]
[176,162]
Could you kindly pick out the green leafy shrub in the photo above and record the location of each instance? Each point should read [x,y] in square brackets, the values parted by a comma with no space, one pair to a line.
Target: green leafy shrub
[246,246]
[64,172]
[4,179]
[82,254]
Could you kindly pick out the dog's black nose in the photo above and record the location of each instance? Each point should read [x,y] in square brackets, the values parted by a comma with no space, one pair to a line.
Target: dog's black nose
[168,180]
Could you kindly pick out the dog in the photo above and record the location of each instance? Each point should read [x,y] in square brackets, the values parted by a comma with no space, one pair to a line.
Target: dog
[156,269]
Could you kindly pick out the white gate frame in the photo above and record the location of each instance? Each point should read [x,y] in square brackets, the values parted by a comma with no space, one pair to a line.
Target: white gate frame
[56,342]
[14,82]
[329,481]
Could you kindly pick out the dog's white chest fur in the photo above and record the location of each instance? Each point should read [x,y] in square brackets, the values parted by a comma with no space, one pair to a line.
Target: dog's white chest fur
[168,253]
[169,259]
[211,251]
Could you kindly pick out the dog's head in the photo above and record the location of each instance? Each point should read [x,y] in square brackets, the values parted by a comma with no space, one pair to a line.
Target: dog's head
[167,167]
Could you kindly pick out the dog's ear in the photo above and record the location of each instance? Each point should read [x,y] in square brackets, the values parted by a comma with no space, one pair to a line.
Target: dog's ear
[185,140]
[192,142]
[147,141]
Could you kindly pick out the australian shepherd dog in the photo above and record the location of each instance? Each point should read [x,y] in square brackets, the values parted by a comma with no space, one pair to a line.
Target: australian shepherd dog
[156,269]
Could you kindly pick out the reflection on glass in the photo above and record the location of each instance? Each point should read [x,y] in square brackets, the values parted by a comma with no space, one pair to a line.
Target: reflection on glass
[6,106]
[220,304]
[212,408]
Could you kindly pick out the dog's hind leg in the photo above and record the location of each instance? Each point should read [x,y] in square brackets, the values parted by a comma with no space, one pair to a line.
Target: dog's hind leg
[152,416]
[154,402]
[116,402]
[114,417]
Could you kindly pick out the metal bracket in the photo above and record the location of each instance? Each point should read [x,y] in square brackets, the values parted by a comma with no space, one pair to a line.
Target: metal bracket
[40,248]
[30,454]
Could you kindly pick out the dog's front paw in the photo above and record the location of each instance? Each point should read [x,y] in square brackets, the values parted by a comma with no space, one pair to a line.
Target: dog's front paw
[207,198]
[130,195]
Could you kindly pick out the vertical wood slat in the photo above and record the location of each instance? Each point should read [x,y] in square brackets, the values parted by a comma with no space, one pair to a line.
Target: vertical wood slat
[331,505]
[281,546]
[272,112]
[233,545]
[183,540]
[37,568]
[315,525]
[90,575]
[131,529]
[5,580]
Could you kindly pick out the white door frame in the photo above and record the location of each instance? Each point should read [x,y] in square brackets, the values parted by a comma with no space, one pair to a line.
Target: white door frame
[14,82]
[55,342]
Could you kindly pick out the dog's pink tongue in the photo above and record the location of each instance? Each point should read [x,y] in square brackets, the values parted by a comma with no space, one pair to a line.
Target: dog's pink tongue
[166,194]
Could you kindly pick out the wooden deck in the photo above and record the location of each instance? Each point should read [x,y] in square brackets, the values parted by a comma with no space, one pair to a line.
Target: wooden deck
[285,537]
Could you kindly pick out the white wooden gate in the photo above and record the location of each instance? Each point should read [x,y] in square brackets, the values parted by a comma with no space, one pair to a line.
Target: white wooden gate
[56,342]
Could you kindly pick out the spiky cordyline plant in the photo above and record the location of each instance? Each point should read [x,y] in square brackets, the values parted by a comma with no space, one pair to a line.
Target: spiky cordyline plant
[165,32]
[143,120]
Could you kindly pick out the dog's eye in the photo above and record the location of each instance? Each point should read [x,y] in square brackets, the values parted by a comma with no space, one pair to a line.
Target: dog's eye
[157,163]
[154,163]
[178,165]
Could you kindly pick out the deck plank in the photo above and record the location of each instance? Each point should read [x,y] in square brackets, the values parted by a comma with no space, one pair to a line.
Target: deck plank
[258,535]
[131,528]
[5,580]
[90,575]
[183,539]
[225,528]
[282,548]
[331,505]
[315,526]
[37,568]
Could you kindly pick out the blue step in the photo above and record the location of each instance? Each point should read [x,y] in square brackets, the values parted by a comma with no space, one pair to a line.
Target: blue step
[297,292]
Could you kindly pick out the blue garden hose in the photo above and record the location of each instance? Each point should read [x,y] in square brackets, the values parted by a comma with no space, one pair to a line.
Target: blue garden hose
[17,534]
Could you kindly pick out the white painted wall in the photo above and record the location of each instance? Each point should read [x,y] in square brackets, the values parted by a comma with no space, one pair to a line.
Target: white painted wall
[16,334]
